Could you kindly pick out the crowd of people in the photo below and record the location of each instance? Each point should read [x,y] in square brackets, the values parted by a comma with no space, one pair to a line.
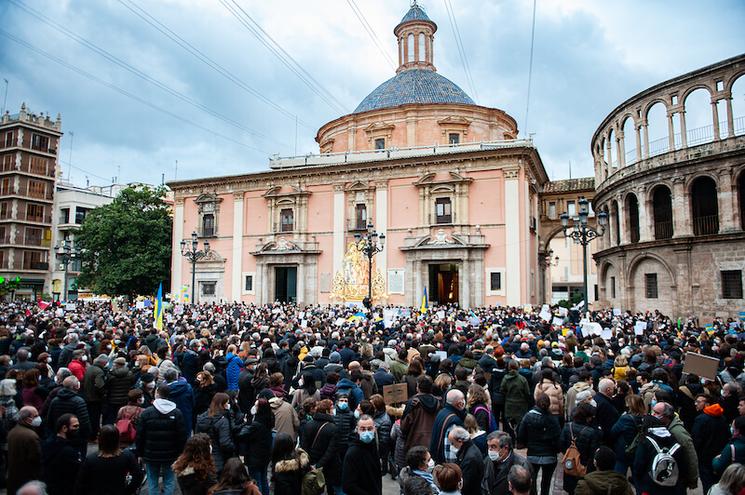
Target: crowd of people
[287,400]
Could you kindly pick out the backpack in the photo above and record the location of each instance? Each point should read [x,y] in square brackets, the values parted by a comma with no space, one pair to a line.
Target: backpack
[630,449]
[664,470]
[571,460]
[314,482]
[127,430]
[492,422]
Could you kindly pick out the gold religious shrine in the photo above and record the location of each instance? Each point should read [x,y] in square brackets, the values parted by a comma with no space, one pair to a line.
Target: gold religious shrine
[350,282]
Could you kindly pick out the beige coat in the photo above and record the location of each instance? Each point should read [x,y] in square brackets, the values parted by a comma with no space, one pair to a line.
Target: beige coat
[554,392]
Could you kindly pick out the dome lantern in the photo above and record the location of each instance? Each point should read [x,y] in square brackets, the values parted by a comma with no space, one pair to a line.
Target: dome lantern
[415,35]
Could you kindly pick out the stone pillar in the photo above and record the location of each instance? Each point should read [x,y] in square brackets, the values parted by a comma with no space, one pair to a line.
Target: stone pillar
[178,234]
[645,128]
[638,129]
[338,237]
[670,131]
[381,225]
[620,148]
[681,211]
[300,283]
[237,261]
[465,284]
[683,132]
[622,220]
[513,250]
[715,117]
[645,216]
[730,117]
[609,155]
[726,202]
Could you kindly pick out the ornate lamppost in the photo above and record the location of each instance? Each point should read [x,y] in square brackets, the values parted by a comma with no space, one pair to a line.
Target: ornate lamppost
[583,234]
[66,252]
[191,251]
[370,244]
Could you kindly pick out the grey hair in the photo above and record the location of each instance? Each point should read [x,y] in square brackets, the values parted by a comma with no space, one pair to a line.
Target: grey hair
[62,373]
[365,417]
[460,434]
[454,396]
[71,382]
[604,384]
[503,438]
[39,486]
[667,410]
[25,413]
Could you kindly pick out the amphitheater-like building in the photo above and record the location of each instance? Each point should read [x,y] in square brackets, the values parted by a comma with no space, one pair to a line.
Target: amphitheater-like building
[676,205]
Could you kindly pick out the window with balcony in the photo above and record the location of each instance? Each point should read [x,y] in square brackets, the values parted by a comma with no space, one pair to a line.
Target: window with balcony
[360,216]
[6,186]
[8,162]
[80,214]
[731,284]
[34,213]
[380,143]
[5,210]
[39,142]
[37,189]
[650,285]
[38,165]
[32,236]
[64,215]
[35,260]
[286,220]
[443,210]
[704,206]
[208,225]
[454,138]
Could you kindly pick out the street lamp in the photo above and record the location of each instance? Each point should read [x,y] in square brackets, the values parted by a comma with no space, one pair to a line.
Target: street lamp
[66,252]
[583,234]
[191,251]
[370,244]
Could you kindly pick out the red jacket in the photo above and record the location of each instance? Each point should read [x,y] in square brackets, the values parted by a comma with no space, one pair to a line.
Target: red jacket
[77,368]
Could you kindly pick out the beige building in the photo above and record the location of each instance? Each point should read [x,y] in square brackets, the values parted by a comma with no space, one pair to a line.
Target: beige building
[675,195]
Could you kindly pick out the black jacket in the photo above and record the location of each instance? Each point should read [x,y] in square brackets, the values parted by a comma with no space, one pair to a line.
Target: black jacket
[605,417]
[361,471]
[118,385]
[345,424]
[710,434]
[220,430]
[61,461]
[645,453]
[65,402]
[322,445]
[471,463]
[587,439]
[161,433]
[255,443]
[494,481]
[107,475]
[539,431]
[288,474]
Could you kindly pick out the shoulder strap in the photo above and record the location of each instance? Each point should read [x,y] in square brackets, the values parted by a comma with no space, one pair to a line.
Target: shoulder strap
[444,424]
[312,445]
[654,444]
[732,451]
[674,449]
[571,431]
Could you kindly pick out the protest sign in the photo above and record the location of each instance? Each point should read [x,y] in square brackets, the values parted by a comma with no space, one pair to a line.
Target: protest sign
[703,366]
[70,307]
[640,327]
[388,316]
[396,393]
[339,322]
[440,315]
[442,355]
[606,334]
[616,312]
[592,328]
[545,314]
[563,311]
[557,321]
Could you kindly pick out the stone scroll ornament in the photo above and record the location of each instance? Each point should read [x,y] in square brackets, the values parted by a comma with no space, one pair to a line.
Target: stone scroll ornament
[350,282]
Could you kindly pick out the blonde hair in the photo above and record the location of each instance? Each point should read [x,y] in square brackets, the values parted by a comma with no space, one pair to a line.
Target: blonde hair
[621,360]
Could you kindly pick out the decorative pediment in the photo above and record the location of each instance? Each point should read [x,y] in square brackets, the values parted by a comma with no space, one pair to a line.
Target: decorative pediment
[379,130]
[280,244]
[357,186]
[454,178]
[208,198]
[454,123]
[441,238]
[212,256]
[276,192]
[327,146]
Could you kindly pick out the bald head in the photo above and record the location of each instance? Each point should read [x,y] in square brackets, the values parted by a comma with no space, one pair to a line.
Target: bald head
[27,414]
[71,383]
[607,387]
[456,399]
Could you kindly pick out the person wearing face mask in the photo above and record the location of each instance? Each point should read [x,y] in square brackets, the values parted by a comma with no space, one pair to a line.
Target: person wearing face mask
[218,424]
[734,451]
[665,413]
[61,456]
[361,468]
[469,459]
[451,415]
[68,400]
[24,450]
[78,364]
[416,477]
[320,441]
[500,459]
[128,416]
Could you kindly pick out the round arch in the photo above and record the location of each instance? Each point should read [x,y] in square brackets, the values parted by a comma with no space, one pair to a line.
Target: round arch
[697,175]
[651,284]
[732,80]
[695,87]
[648,106]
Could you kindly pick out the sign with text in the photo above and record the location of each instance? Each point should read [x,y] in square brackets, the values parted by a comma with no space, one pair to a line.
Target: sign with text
[396,393]
[703,366]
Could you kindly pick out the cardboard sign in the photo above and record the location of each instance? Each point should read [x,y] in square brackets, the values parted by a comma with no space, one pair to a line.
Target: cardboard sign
[640,327]
[703,366]
[396,393]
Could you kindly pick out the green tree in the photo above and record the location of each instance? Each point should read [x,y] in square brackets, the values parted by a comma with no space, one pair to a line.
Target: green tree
[126,245]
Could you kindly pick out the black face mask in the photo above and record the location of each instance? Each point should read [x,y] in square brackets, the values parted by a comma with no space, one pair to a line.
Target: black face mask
[73,434]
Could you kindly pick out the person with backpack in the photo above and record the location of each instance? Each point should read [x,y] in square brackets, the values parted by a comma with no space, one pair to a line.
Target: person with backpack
[111,470]
[658,461]
[734,451]
[478,405]
[539,432]
[665,412]
[128,417]
[289,466]
[320,441]
[255,441]
[217,423]
[161,436]
[625,434]
[579,441]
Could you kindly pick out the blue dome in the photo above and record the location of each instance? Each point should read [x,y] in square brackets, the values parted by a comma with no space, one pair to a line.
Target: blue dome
[415,13]
[414,86]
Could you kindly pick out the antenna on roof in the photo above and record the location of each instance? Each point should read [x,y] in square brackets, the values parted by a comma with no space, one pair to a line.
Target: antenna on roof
[570,169]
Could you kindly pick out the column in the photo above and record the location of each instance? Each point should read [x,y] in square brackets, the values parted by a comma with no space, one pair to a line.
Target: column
[726,204]
[465,285]
[681,211]
[638,133]
[338,228]
[645,218]
[381,226]
[178,234]
[609,155]
[670,131]
[620,148]
[730,117]
[622,221]
[512,238]
[683,131]
[300,283]
[645,128]
[237,261]
[715,117]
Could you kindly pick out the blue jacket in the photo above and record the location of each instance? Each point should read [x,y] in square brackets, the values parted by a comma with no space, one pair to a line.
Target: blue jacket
[350,388]
[183,396]
[233,371]
[447,417]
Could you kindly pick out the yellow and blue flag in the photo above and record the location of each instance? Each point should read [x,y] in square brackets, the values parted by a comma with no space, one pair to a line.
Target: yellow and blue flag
[425,302]
[158,312]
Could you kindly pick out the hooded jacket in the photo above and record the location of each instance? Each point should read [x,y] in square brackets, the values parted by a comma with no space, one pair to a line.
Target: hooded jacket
[65,402]
[604,482]
[418,418]
[61,461]
[285,418]
[322,445]
[571,399]
[288,474]
[539,431]
[517,398]
[710,433]
[219,430]
[183,396]
[118,385]
[161,433]
[689,470]
[233,371]
[355,393]
[94,383]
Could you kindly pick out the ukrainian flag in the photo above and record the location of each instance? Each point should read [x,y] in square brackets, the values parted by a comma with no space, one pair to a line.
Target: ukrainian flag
[425,302]
[158,312]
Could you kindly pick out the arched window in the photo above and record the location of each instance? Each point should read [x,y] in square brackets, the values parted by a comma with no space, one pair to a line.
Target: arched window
[422,55]
[410,48]
[632,211]
[738,106]
[662,211]
[629,141]
[287,220]
[704,208]
[401,56]
[699,127]
[611,157]
[657,132]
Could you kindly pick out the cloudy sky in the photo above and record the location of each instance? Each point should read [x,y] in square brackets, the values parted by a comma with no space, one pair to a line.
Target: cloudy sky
[142,85]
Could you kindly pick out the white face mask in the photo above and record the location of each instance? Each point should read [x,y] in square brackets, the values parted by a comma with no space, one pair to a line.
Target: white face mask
[84,358]
[430,464]
[227,406]
[36,422]
[49,360]
[253,411]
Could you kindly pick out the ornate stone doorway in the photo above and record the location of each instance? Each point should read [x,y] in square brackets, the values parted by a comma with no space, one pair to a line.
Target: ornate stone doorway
[285,283]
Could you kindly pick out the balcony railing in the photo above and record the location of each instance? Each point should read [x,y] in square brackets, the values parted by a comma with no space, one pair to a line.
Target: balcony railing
[705,225]
[663,230]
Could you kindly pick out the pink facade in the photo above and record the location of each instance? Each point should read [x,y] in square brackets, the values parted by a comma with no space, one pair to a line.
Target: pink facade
[444,179]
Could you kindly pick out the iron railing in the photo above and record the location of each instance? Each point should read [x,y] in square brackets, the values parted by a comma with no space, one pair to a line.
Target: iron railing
[705,225]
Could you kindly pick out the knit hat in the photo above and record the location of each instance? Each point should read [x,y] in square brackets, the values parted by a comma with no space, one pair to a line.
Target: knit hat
[335,357]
